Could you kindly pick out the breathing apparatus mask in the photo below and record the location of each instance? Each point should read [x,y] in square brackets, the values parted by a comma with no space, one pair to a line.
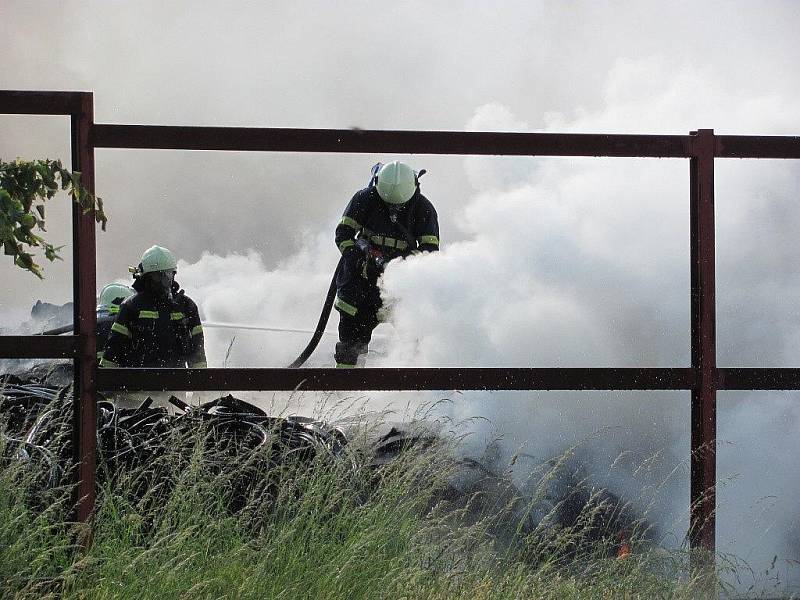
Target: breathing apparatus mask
[161,283]
[156,271]
[158,283]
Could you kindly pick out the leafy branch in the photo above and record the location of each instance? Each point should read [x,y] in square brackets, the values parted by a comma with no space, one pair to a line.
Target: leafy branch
[25,185]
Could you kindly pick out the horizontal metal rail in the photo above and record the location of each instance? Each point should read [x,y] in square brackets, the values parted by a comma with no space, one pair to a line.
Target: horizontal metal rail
[435,142]
[39,346]
[757,146]
[395,379]
[13,102]
[758,379]
[405,142]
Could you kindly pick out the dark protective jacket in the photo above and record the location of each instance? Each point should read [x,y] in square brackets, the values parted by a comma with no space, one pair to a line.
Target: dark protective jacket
[105,319]
[416,226]
[396,232]
[151,331]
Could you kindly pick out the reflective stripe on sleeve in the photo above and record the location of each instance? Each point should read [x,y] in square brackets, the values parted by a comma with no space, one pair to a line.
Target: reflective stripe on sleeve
[428,239]
[148,314]
[344,366]
[197,329]
[402,245]
[345,307]
[176,316]
[121,329]
[345,245]
[350,223]
[113,310]
[104,362]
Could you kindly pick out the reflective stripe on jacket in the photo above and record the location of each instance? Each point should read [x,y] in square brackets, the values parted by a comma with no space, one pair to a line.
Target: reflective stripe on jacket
[153,332]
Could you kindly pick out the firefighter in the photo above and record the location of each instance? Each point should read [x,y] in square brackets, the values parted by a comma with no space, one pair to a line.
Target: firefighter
[388,219]
[159,326]
[111,296]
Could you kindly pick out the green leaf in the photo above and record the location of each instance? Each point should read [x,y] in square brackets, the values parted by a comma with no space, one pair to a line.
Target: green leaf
[25,261]
[66,178]
[51,253]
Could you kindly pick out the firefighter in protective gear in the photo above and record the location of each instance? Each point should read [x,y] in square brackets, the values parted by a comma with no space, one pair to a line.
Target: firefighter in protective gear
[159,326]
[390,218]
[111,297]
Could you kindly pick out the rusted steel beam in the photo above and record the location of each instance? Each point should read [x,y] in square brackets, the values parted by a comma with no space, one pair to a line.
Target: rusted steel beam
[85,318]
[403,142]
[395,379]
[38,346]
[702,528]
[757,146]
[17,102]
[758,379]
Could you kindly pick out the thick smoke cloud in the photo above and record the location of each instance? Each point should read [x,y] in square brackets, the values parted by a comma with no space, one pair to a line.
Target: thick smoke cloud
[546,262]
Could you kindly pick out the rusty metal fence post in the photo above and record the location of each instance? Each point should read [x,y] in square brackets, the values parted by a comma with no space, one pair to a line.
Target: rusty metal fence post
[85,317]
[702,524]
[80,347]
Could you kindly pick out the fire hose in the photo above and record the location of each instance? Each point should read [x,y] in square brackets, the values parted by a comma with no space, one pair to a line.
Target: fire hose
[323,320]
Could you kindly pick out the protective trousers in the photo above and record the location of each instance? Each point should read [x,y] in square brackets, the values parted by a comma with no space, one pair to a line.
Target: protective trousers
[358,301]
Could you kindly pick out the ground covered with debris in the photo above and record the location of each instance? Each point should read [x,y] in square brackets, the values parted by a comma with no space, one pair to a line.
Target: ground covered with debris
[223,500]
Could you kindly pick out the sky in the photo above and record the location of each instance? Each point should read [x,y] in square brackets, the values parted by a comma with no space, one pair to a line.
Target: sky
[544,262]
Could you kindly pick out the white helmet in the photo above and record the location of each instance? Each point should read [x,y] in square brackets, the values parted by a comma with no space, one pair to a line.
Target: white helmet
[396,182]
[112,294]
[157,259]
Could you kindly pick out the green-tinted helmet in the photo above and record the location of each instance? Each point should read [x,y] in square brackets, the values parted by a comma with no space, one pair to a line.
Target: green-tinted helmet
[113,294]
[158,259]
[396,182]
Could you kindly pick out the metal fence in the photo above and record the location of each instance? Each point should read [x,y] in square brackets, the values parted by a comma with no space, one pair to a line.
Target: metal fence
[703,378]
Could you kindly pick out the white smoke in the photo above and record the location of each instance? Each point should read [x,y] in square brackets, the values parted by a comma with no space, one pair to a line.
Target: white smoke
[238,289]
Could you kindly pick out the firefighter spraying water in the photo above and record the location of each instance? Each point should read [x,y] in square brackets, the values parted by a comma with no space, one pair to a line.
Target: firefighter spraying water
[388,219]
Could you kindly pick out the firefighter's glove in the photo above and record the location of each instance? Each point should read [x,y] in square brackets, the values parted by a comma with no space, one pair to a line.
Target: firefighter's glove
[363,245]
[363,264]
[373,267]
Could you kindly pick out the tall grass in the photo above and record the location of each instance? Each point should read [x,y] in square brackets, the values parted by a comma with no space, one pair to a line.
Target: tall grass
[199,522]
